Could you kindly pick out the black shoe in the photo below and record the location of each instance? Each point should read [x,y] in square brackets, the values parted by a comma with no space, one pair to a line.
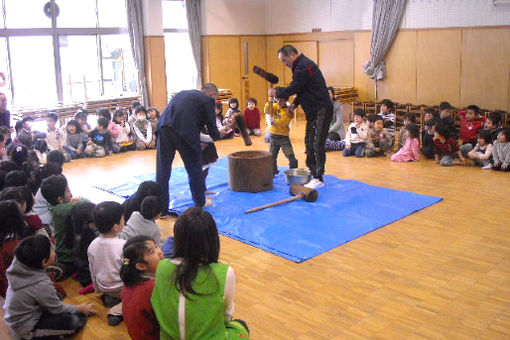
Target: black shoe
[109,301]
[114,320]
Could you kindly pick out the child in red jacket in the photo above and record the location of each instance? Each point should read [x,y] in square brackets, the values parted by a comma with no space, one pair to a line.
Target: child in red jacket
[252,117]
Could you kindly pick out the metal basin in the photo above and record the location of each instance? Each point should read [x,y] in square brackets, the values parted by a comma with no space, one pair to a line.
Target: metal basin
[297,176]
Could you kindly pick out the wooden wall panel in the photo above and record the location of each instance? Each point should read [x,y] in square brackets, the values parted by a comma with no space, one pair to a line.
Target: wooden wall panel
[273,64]
[308,48]
[486,68]
[252,84]
[400,81]
[155,71]
[438,66]
[362,82]
[224,58]
[336,61]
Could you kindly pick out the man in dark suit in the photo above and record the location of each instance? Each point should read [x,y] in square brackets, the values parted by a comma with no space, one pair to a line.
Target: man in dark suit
[179,129]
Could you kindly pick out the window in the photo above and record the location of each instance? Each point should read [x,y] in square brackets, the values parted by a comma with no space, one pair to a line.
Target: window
[181,70]
[83,54]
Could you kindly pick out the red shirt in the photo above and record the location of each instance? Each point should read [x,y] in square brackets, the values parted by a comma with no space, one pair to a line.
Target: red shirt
[34,223]
[469,130]
[6,257]
[137,311]
[447,148]
[251,118]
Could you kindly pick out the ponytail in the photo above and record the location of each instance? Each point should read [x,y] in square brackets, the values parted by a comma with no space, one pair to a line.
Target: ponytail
[133,253]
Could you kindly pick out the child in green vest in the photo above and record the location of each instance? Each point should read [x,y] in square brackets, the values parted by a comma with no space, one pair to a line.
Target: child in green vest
[193,295]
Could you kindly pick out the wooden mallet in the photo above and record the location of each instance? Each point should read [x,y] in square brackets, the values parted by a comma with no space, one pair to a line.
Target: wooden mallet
[297,191]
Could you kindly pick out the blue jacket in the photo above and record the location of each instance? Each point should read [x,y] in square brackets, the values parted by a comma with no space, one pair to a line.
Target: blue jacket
[309,85]
[187,113]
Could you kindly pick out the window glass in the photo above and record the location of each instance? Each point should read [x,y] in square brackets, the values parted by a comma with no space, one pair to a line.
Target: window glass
[74,13]
[181,70]
[174,15]
[5,88]
[112,13]
[119,72]
[80,68]
[26,14]
[33,71]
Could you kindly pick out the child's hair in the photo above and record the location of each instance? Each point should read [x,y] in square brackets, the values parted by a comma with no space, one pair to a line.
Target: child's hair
[283,98]
[147,188]
[474,108]
[252,100]
[12,224]
[433,112]
[118,114]
[79,219]
[388,103]
[41,145]
[373,118]
[506,133]
[360,112]
[18,126]
[2,178]
[2,138]
[495,117]
[485,135]
[152,108]
[431,121]
[445,106]
[55,156]
[219,106]
[196,241]
[33,250]
[140,109]
[233,100]
[80,114]
[77,125]
[376,118]
[102,121]
[53,116]
[16,178]
[107,214]
[133,253]
[27,119]
[414,130]
[50,168]
[151,207]
[8,166]
[4,130]
[411,117]
[54,187]
[19,154]
[15,194]
[103,112]
[442,130]
[134,105]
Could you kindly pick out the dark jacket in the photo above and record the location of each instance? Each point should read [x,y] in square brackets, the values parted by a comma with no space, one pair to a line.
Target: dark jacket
[102,139]
[187,113]
[5,118]
[448,122]
[309,85]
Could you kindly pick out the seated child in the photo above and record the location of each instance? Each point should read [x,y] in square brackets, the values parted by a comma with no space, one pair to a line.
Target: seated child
[492,124]
[252,117]
[445,147]
[124,140]
[279,129]
[427,142]
[357,134]
[482,152]
[145,139]
[429,114]
[41,206]
[105,257]
[153,117]
[134,202]
[387,108]
[470,123]
[141,258]
[228,131]
[32,308]
[55,137]
[408,119]
[336,130]
[194,274]
[233,109]
[501,151]
[411,149]
[23,197]
[12,230]
[3,143]
[39,152]
[100,142]
[56,191]
[379,141]
[75,140]
[112,127]
[445,118]
[81,117]
[143,222]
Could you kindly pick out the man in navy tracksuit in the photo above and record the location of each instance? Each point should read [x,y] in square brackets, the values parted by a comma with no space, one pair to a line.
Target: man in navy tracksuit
[179,129]
[312,94]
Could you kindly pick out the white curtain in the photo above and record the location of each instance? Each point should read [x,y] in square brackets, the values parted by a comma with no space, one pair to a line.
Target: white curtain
[135,28]
[195,34]
[385,21]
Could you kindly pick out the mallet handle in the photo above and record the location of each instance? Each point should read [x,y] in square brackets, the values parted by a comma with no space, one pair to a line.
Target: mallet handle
[290,199]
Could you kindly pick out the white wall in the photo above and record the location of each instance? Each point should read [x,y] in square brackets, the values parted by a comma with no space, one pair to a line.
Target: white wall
[238,17]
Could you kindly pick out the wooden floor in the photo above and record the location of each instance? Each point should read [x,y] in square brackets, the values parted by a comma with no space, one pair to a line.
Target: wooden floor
[441,273]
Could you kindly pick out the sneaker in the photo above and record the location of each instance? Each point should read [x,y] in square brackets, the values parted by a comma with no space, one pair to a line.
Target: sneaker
[487,167]
[88,289]
[314,184]
[56,271]
[110,301]
[114,320]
